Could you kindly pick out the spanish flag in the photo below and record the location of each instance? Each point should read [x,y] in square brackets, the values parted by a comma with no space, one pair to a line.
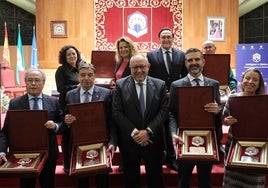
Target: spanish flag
[6,54]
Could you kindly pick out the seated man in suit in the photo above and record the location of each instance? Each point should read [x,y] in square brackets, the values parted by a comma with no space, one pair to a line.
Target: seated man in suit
[35,80]
[89,92]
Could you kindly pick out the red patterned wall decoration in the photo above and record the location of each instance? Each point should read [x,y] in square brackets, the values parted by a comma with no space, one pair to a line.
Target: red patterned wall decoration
[139,20]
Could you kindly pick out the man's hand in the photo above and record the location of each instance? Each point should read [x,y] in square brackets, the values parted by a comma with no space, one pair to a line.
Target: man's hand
[177,140]
[2,158]
[110,150]
[142,138]
[212,108]
[50,125]
[69,119]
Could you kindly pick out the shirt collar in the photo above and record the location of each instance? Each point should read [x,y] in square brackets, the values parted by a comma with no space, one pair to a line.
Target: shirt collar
[143,82]
[82,90]
[32,97]
[164,50]
[201,77]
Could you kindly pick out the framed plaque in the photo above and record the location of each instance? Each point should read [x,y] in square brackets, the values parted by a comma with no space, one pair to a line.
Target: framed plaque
[104,61]
[27,152]
[89,136]
[249,147]
[250,155]
[89,158]
[196,126]
[198,143]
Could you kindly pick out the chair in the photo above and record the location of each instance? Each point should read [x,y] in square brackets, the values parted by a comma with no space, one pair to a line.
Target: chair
[8,82]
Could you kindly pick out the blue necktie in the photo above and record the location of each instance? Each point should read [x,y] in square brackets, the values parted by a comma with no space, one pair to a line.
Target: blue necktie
[87,96]
[197,81]
[35,106]
[141,99]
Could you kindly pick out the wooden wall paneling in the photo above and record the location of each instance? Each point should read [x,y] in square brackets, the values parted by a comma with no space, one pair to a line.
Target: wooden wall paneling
[80,28]
[195,13]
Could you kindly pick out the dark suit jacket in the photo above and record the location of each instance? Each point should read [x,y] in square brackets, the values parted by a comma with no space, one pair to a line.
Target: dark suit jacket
[99,94]
[185,82]
[158,68]
[50,104]
[127,115]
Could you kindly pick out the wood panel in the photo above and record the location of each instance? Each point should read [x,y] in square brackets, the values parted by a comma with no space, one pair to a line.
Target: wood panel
[195,13]
[80,28]
[80,22]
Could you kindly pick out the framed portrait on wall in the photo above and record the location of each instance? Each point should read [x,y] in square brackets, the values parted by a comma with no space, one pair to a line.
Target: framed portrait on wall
[216,28]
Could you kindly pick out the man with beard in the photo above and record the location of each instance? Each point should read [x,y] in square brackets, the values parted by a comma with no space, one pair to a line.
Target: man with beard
[194,61]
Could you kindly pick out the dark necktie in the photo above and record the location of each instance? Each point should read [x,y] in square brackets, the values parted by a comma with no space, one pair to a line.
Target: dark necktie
[86,93]
[141,99]
[168,61]
[197,81]
[36,106]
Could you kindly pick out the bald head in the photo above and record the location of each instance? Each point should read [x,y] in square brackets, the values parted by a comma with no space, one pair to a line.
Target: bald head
[208,47]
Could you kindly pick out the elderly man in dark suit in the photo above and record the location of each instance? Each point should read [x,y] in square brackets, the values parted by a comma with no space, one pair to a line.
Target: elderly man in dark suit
[167,64]
[194,62]
[140,107]
[35,80]
[89,92]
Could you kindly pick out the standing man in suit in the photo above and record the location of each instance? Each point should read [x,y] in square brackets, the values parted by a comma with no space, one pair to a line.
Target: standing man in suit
[86,77]
[35,80]
[140,108]
[194,62]
[168,65]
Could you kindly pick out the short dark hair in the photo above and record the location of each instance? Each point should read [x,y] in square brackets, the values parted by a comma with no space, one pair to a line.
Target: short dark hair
[190,50]
[165,29]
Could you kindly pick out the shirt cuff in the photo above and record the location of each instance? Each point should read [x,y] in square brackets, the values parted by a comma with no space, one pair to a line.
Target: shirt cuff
[133,132]
[57,127]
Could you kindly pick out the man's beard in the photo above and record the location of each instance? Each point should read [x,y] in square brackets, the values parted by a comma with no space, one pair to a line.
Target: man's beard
[195,69]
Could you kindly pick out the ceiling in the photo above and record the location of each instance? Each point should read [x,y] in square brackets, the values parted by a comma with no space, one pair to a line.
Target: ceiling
[245,6]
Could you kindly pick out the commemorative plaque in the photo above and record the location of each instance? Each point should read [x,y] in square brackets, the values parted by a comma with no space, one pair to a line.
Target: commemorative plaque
[104,62]
[28,143]
[249,148]
[89,138]
[196,126]
[218,67]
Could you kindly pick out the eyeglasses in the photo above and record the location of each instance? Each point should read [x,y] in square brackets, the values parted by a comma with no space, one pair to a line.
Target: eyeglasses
[37,81]
[142,67]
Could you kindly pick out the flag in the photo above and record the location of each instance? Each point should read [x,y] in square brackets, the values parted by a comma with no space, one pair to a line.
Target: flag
[6,54]
[34,57]
[20,57]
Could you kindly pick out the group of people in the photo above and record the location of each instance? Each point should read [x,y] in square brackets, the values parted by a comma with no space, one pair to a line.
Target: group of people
[141,111]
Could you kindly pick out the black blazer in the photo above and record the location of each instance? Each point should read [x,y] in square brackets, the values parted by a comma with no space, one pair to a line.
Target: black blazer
[158,68]
[52,106]
[127,115]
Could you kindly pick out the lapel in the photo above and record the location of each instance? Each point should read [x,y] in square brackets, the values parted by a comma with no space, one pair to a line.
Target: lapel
[161,60]
[150,90]
[45,102]
[95,94]
[133,92]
